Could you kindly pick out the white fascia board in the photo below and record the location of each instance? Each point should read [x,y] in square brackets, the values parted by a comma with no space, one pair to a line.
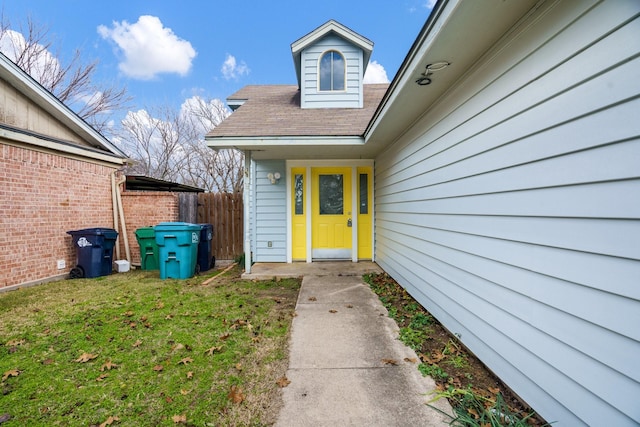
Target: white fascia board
[414,60]
[249,143]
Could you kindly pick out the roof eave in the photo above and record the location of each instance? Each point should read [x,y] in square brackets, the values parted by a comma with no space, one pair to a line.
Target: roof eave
[52,105]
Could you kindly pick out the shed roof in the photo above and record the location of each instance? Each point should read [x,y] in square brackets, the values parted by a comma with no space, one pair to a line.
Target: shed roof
[274,110]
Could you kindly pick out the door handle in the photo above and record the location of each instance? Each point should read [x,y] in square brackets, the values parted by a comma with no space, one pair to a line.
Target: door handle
[349,222]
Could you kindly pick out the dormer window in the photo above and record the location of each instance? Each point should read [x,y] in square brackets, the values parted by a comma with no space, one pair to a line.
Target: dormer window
[332,71]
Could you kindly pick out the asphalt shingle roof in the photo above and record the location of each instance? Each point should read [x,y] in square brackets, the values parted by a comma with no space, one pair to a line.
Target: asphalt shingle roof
[274,110]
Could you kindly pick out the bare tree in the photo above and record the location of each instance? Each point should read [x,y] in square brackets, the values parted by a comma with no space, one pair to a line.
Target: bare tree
[157,144]
[214,170]
[170,145]
[32,49]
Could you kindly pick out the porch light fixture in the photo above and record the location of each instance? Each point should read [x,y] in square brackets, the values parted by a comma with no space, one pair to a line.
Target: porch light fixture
[274,177]
[425,77]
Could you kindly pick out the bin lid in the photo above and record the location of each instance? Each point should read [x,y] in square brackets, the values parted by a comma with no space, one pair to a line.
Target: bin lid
[176,226]
[145,232]
[109,233]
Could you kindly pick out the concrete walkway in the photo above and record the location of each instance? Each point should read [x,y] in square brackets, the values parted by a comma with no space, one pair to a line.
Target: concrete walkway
[347,366]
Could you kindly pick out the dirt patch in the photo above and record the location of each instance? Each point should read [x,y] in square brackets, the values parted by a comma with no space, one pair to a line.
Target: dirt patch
[443,357]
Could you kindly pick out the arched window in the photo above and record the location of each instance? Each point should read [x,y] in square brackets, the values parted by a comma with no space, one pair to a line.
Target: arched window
[332,71]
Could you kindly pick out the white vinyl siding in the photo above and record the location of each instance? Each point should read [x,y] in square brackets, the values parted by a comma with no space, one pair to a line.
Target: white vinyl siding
[351,97]
[270,222]
[511,211]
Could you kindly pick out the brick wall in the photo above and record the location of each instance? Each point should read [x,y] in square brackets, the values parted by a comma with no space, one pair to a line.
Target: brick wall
[144,209]
[42,196]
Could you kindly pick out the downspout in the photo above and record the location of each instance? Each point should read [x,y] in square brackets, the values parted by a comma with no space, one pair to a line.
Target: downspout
[124,225]
[114,202]
[247,221]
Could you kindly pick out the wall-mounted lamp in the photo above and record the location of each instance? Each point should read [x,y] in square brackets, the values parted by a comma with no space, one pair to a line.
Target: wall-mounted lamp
[425,77]
[274,177]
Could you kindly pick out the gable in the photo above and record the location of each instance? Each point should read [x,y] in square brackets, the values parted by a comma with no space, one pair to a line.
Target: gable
[351,96]
[30,114]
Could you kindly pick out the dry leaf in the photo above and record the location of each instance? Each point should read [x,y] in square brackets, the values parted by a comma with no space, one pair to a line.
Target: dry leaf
[85,357]
[212,350]
[189,375]
[183,392]
[313,299]
[411,359]
[136,344]
[168,317]
[283,382]
[10,373]
[109,421]
[239,366]
[493,390]
[473,413]
[108,365]
[128,313]
[333,311]
[349,305]
[102,377]
[236,395]
[389,362]
[13,343]
[179,419]
[225,336]
[158,368]
[185,361]
[159,305]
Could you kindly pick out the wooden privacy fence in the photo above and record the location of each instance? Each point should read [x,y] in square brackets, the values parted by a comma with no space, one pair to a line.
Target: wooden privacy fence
[225,212]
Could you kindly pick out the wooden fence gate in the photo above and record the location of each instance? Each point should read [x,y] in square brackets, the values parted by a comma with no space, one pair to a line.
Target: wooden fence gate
[225,212]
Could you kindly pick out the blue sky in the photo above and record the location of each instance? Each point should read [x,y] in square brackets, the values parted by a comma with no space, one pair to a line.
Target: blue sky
[165,52]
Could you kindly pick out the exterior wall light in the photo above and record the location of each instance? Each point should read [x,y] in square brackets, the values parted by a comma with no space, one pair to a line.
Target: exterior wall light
[274,177]
[425,77]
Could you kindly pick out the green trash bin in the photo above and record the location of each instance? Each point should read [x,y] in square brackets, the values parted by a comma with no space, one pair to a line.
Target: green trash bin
[177,249]
[146,237]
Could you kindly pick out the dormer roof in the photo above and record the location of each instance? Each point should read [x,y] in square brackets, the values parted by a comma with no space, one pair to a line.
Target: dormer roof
[330,27]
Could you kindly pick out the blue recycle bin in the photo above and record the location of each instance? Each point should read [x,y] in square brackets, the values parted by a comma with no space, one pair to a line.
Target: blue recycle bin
[205,260]
[177,249]
[94,252]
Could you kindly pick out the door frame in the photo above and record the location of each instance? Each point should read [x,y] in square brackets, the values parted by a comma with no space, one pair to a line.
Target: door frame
[308,165]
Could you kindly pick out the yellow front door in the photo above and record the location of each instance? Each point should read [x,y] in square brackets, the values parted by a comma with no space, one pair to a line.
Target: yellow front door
[331,213]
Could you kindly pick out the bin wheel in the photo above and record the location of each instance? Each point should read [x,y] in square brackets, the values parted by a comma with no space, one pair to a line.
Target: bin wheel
[76,273]
[213,262]
[197,269]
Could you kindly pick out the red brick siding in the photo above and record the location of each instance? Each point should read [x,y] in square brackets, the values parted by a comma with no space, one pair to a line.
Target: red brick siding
[144,209]
[42,196]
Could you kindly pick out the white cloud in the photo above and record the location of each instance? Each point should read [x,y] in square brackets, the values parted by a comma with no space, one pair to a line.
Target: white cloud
[149,48]
[375,73]
[43,65]
[231,69]
[207,113]
[430,3]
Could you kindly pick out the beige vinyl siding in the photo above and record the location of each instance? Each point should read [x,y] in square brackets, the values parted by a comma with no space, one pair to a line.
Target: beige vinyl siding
[20,112]
[511,210]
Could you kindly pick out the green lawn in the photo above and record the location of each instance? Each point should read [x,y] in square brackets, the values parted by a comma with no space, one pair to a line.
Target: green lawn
[133,350]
